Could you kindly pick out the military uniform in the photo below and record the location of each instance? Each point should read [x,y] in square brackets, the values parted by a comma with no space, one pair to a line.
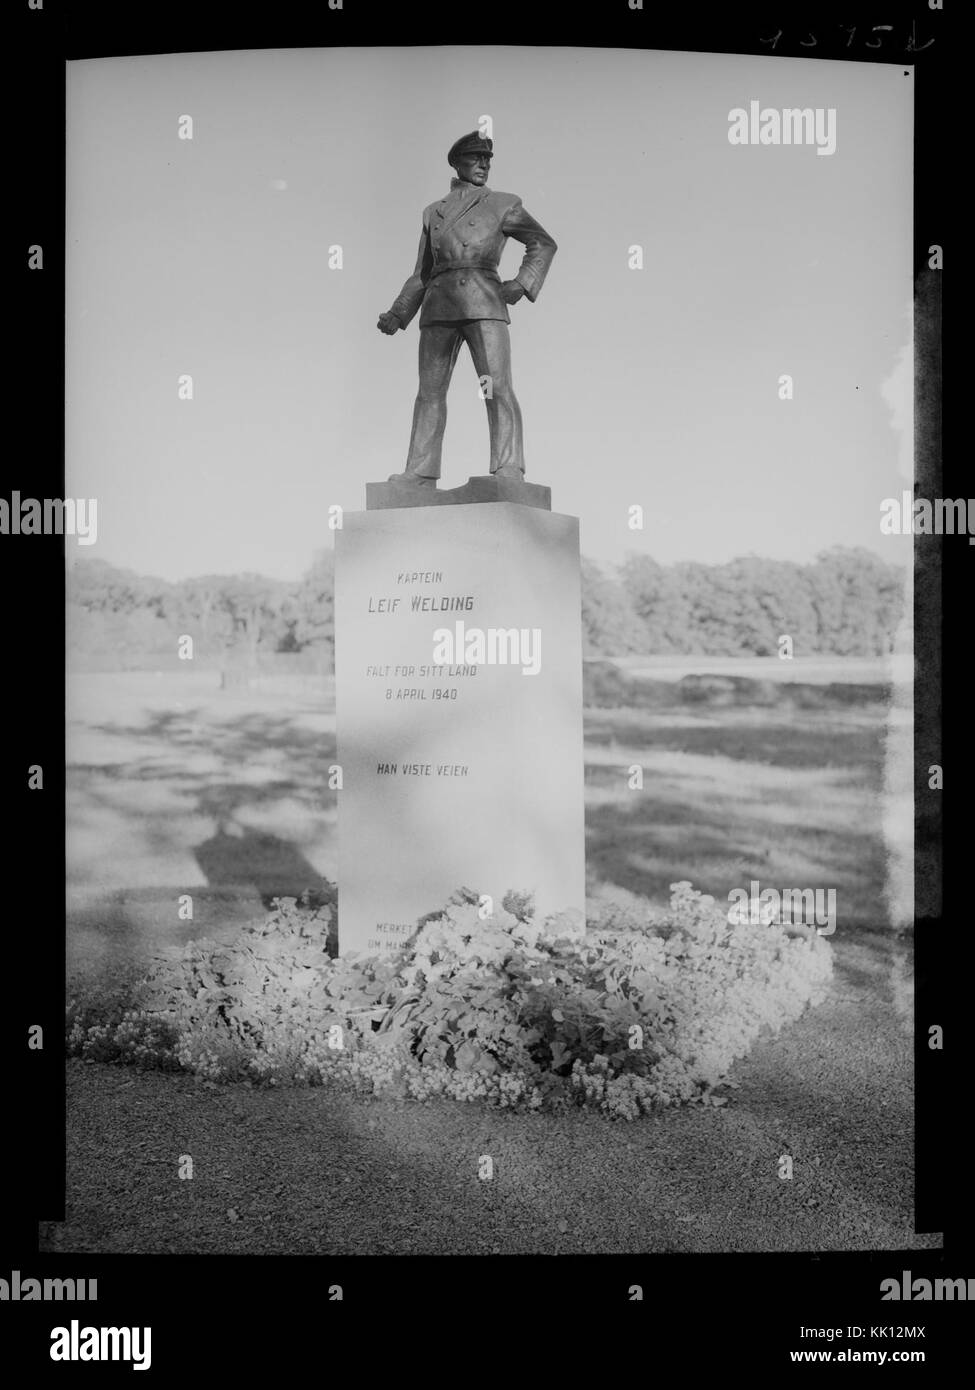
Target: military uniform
[456,282]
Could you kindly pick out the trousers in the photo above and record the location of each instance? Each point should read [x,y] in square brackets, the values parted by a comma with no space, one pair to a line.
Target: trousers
[490,345]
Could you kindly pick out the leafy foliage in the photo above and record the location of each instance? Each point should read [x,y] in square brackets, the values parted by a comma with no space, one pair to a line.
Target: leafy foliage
[633,1010]
[848,602]
[610,621]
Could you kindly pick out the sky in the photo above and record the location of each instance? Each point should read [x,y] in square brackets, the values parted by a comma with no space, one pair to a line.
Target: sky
[656,388]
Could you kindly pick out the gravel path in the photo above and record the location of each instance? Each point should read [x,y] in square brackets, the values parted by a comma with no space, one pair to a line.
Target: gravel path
[306,1172]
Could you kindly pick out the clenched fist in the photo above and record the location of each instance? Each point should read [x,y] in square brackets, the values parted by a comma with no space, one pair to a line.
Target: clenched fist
[388,323]
[512,291]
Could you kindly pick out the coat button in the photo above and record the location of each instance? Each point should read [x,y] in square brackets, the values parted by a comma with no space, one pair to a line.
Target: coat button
[463,282]
[465,243]
[471,222]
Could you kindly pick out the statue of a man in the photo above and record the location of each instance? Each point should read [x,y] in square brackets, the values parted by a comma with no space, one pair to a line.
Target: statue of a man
[464,300]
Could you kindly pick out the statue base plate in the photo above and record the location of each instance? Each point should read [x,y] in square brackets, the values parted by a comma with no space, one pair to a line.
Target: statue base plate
[484,488]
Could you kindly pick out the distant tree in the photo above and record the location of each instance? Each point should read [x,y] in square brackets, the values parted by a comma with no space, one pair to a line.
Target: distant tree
[773,600]
[198,608]
[235,610]
[311,606]
[662,604]
[255,606]
[717,609]
[610,627]
[103,588]
[858,600]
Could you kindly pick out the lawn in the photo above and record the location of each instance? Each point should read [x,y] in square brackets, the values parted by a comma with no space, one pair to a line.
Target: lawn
[175,787]
[757,770]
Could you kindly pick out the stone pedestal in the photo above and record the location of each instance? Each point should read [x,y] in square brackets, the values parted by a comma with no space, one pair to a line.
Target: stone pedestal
[459,712]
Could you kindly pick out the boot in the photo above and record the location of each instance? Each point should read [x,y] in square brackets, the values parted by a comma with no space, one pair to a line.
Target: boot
[415,479]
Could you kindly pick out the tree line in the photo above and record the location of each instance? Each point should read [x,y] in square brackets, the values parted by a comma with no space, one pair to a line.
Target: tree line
[847,602]
[233,618]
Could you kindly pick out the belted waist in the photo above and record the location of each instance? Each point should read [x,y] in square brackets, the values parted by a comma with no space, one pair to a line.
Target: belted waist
[441,268]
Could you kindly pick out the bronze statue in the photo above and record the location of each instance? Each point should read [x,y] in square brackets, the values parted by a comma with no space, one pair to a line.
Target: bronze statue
[464,300]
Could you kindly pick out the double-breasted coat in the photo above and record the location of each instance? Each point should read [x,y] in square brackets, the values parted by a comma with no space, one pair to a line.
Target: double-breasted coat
[463,236]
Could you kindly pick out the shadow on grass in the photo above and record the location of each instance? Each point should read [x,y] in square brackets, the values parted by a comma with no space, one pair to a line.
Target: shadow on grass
[191,795]
[224,771]
[798,743]
[242,797]
[650,843]
[275,867]
[735,795]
